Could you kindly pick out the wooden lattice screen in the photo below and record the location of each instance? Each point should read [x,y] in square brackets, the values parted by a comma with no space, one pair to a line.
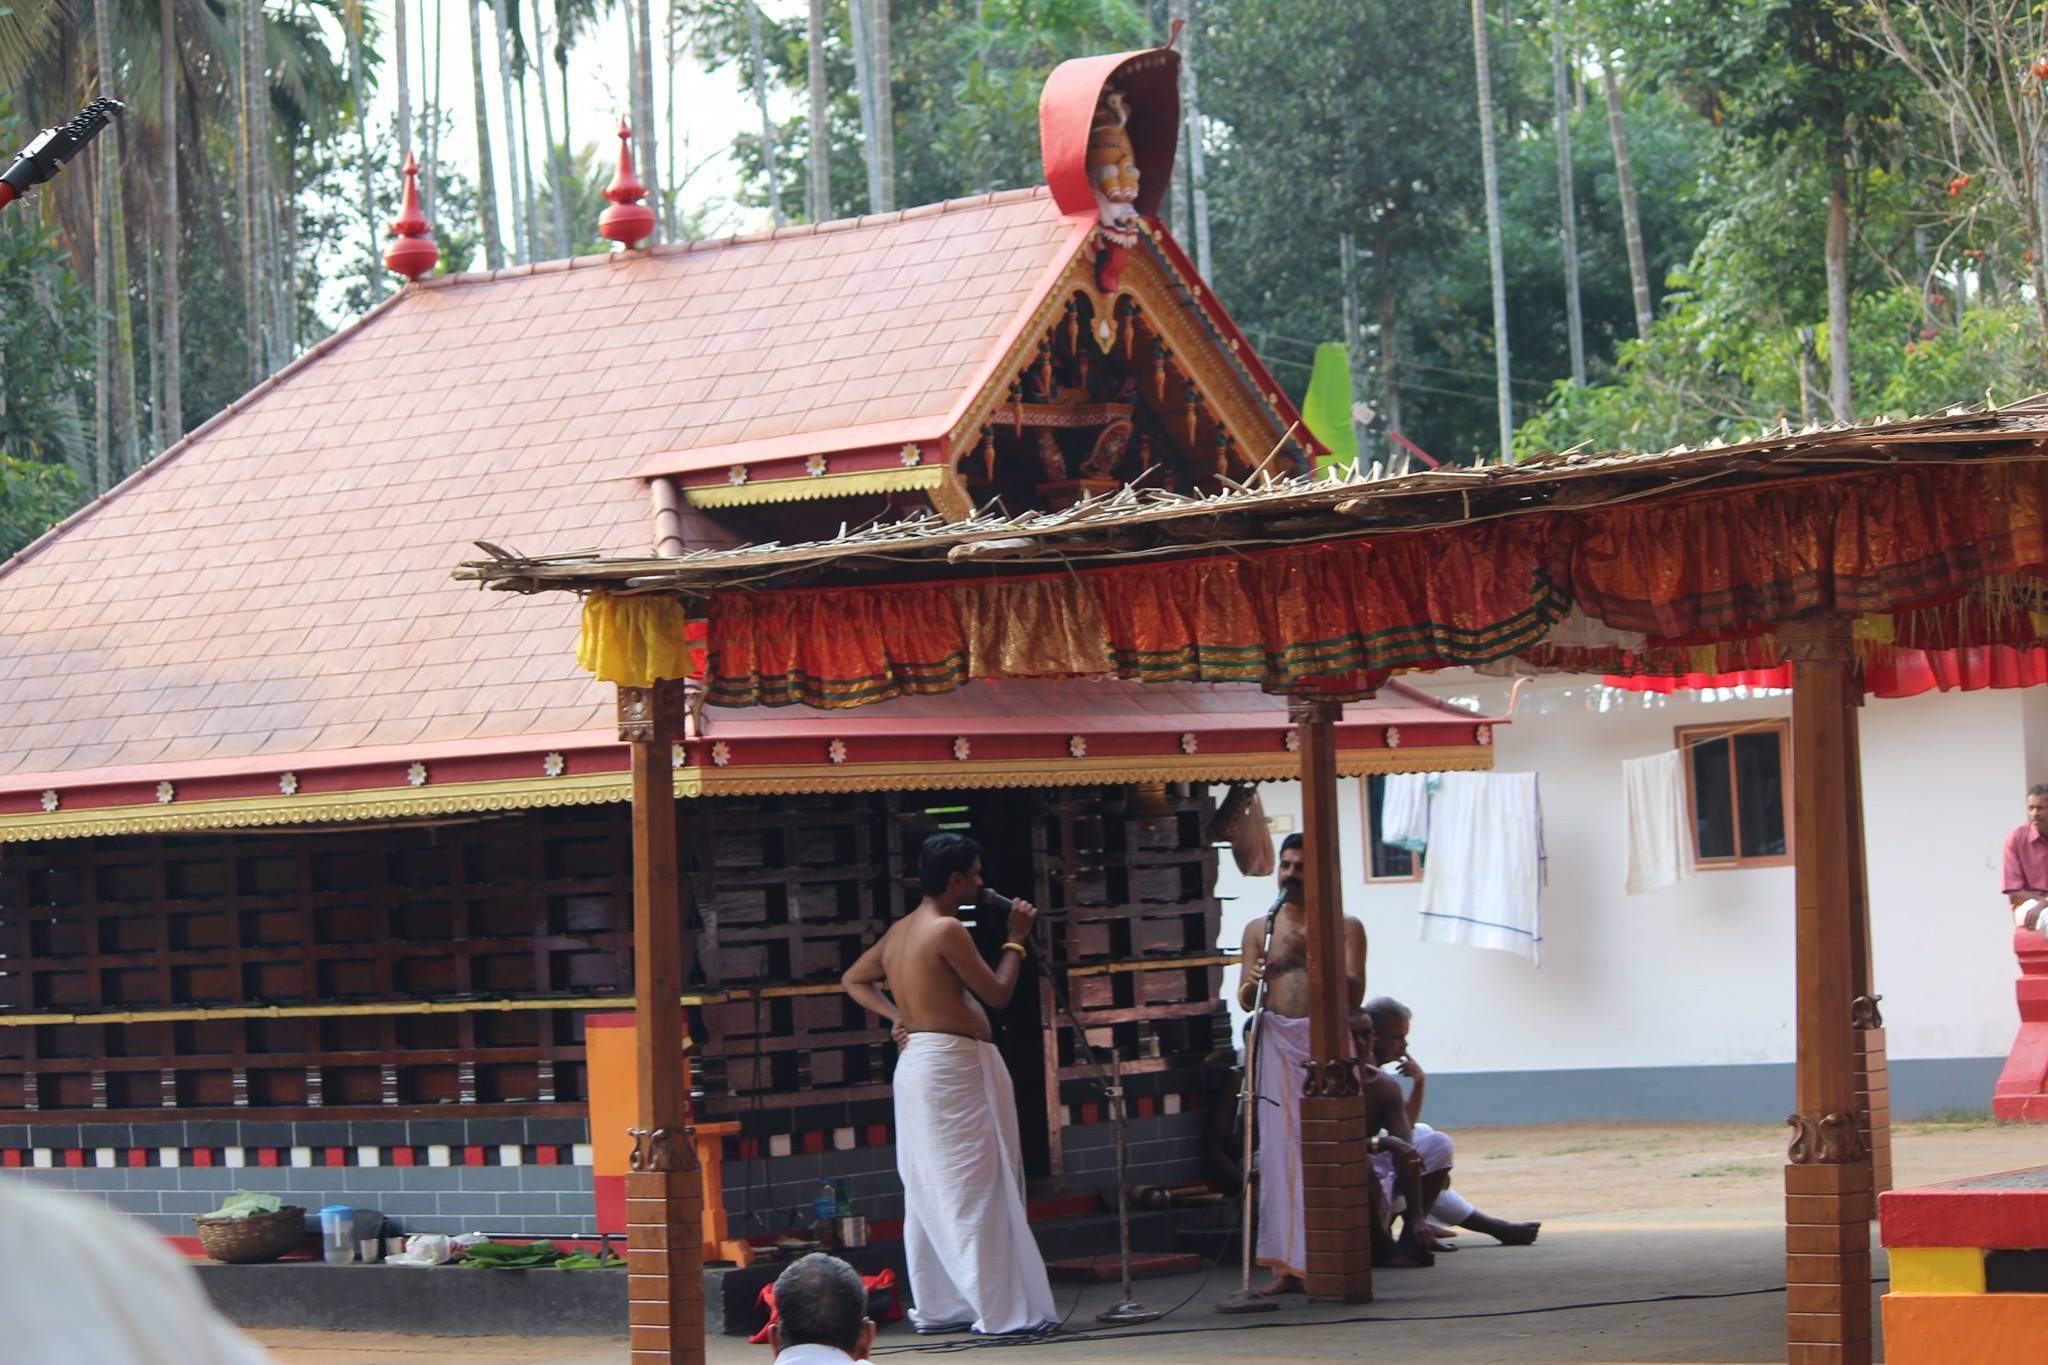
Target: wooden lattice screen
[363,928]
[347,922]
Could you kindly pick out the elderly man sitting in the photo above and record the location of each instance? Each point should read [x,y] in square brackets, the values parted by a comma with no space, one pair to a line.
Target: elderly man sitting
[1390,1019]
[821,1313]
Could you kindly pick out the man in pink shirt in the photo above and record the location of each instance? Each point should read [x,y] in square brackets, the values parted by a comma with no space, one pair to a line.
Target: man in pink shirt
[2026,858]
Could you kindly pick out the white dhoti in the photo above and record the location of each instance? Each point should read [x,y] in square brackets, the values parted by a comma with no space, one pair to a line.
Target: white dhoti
[1283,1228]
[965,1233]
[1438,1154]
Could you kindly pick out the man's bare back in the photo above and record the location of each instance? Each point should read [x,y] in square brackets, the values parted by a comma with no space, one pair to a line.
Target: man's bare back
[935,978]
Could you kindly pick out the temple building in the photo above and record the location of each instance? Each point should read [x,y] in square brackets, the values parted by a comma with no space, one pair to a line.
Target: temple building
[317,863]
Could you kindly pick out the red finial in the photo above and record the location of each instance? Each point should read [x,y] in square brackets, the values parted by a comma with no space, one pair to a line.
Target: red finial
[628,220]
[412,252]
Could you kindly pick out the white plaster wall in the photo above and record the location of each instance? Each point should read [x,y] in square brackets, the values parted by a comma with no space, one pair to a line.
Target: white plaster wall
[1701,974]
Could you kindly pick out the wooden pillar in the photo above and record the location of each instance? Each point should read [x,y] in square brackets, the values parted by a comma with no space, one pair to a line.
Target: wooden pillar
[1828,1194]
[664,1191]
[1335,1167]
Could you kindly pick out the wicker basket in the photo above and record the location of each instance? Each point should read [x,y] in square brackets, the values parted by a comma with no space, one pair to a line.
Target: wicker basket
[259,1237]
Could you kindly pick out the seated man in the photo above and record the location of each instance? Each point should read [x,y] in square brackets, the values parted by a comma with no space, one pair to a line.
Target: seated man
[821,1313]
[1397,1166]
[1390,1020]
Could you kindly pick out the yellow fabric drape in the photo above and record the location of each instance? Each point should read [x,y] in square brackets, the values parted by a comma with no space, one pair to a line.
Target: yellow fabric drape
[633,641]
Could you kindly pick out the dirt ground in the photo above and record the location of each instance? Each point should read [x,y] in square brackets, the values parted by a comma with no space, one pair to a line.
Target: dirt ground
[1660,1243]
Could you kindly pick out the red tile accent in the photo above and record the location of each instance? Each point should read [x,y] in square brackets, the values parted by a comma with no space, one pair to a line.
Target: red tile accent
[202,1156]
[543,1156]
[750,1149]
[1145,1106]
[266,1156]
[814,1142]
[75,1157]
[336,1156]
[11,1157]
[878,1135]
[401,1156]
[138,1156]
[1091,1114]
[472,1156]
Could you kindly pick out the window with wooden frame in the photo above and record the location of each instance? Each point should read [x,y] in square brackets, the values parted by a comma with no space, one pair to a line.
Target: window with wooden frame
[1385,862]
[1735,792]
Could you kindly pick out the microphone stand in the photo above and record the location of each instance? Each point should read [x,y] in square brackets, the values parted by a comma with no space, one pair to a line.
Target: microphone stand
[1128,1312]
[1246,1300]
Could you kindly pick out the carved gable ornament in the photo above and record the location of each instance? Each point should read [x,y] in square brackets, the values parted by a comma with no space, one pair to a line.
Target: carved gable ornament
[1108,129]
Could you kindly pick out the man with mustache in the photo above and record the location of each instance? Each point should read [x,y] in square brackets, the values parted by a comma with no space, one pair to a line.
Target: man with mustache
[1283,1043]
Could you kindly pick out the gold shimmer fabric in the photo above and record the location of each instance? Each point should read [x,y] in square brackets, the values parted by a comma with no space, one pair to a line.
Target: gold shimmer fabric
[1036,628]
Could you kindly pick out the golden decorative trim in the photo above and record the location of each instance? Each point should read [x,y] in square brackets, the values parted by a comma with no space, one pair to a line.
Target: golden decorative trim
[809,488]
[589,789]
[581,1002]
[1279,766]
[1203,355]
[1078,277]
[1164,964]
[381,803]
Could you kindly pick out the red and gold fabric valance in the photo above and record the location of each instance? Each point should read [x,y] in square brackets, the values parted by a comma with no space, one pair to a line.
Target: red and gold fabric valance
[1333,618]
[1924,557]
[1723,563]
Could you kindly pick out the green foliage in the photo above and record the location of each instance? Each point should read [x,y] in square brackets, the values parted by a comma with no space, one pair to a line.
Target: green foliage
[966,78]
[45,353]
[34,496]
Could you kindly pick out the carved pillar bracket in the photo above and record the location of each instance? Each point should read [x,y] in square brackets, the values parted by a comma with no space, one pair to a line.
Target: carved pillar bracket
[653,715]
[1832,1140]
[662,1149]
[1818,637]
[1334,1079]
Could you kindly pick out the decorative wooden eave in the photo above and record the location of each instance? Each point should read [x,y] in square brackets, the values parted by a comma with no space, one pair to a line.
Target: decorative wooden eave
[914,745]
[1208,354]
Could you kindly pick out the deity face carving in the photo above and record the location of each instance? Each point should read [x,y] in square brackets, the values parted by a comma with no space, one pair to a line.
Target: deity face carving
[1113,165]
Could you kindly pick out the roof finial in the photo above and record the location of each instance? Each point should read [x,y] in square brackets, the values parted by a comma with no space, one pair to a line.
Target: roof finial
[628,220]
[412,252]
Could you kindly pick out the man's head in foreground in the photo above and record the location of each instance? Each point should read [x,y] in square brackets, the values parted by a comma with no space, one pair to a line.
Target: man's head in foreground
[821,1301]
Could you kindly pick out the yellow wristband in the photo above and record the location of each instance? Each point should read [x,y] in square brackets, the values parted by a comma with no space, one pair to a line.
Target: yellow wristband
[1017,948]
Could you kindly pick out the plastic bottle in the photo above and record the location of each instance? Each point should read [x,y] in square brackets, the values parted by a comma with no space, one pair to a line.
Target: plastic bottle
[824,1207]
[844,1206]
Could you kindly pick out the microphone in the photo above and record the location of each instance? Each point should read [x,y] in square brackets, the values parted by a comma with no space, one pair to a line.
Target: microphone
[47,152]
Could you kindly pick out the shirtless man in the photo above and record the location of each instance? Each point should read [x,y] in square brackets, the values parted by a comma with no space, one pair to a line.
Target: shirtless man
[1283,1050]
[1389,1022]
[972,1258]
[1396,1165]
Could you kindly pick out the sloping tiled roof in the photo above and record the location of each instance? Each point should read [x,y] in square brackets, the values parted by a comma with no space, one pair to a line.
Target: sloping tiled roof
[278,584]
[846,336]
